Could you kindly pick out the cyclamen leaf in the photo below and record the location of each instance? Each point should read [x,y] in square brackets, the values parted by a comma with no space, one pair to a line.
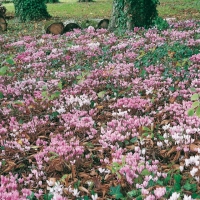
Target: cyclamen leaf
[133,193]
[145,172]
[195,196]
[1,95]
[101,94]
[193,89]
[195,97]
[145,134]
[55,95]
[195,104]
[198,111]
[44,93]
[133,140]
[10,61]
[3,70]
[191,112]
[146,128]
[187,186]
[177,178]
[115,191]
[48,196]
[60,85]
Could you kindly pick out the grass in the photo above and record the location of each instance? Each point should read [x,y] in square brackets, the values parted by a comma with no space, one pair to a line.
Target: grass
[71,9]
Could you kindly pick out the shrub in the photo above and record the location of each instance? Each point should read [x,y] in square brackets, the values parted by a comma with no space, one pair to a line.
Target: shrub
[28,10]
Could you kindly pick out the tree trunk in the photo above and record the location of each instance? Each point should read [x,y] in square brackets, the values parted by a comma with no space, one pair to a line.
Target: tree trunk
[127,14]
[121,15]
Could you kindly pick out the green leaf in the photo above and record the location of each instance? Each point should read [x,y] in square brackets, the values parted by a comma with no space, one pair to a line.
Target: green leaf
[45,94]
[115,191]
[55,95]
[101,94]
[151,183]
[145,134]
[133,140]
[139,198]
[191,112]
[145,172]
[159,182]
[195,104]
[167,179]
[48,196]
[177,185]
[193,187]
[44,87]
[92,103]
[198,111]
[1,95]
[21,121]
[193,89]
[134,193]
[160,137]
[187,186]
[10,61]
[144,128]
[177,178]
[172,89]
[138,180]
[195,97]
[53,115]
[31,197]
[85,198]
[2,147]
[195,196]
[3,162]
[3,70]
[60,85]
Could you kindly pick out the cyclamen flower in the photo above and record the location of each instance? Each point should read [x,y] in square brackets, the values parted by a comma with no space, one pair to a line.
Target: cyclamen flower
[174,196]
[187,197]
[193,171]
[150,197]
[56,189]
[159,192]
[95,196]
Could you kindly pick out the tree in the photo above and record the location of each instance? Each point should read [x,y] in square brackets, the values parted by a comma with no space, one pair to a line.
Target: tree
[28,10]
[127,14]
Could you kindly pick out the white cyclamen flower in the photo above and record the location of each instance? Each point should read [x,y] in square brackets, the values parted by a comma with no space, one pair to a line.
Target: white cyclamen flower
[174,196]
[95,196]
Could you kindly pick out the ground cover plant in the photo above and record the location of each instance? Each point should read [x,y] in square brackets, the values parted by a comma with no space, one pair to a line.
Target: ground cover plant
[98,115]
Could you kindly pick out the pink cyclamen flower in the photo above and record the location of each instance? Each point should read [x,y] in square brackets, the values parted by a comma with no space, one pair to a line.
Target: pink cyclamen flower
[159,192]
